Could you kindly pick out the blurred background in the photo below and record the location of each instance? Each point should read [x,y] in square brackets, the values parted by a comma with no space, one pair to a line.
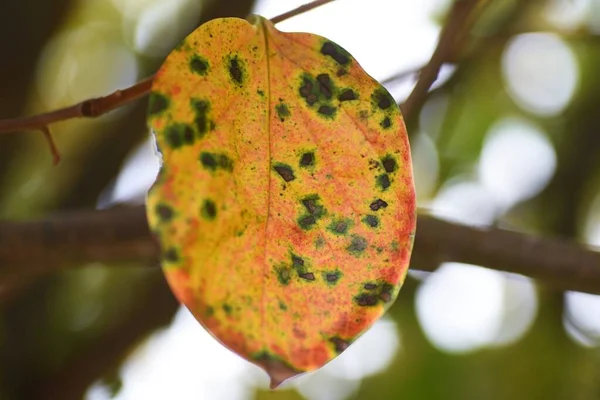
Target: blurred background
[509,136]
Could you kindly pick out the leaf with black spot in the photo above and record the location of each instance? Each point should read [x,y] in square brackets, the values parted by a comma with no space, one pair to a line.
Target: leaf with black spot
[284,208]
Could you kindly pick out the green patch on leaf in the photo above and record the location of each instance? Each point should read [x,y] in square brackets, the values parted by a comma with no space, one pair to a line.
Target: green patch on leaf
[340,226]
[179,134]
[307,159]
[165,212]
[383,182]
[198,65]
[375,292]
[389,163]
[282,111]
[300,266]
[357,246]
[382,99]
[284,273]
[209,210]
[371,220]
[171,255]
[157,104]
[237,70]
[313,211]
[332,277]
[201,109]
[215,161]
[335,51]
[284,171]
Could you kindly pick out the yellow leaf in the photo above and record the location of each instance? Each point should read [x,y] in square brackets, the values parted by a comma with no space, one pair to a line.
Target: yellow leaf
[285,205]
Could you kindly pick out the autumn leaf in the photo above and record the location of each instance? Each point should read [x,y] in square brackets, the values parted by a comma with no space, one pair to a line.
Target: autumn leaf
[285,205]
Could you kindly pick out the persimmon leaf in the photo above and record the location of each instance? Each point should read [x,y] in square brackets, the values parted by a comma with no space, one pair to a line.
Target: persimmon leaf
[285,205]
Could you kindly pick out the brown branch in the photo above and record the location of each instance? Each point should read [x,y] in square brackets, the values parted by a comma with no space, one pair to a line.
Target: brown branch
[402,75]
[458,24]
[87,108]
[121,234]
[300,10]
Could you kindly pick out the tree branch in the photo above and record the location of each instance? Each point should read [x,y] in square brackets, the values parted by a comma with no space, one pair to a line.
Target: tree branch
[458,24]
[300,10]
[87,108]
[122,234]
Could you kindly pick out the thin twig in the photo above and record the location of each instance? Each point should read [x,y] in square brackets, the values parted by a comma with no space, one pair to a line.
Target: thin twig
[118,235]
[459,22]
[400,76]
[300,10]
[53,148]
[88,108]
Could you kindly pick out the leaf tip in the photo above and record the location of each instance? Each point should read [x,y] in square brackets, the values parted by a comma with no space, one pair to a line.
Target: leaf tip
[279,376]
[278,372]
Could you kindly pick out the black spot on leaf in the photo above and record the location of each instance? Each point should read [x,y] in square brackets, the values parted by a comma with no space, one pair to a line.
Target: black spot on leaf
[235,70]
[198,65]
[332,277]
[209,210]
[371,220]
[383,181]
[297,262]
[375,292]
[171,255]
[282,111]
[357,245]
[301,269]
[311,203]
[285,171]
[164,212]
[325,85]
[307,159]
[385,123]
[339,226]
[315,211]
[339,344]
[284,274]
[208,161]
[389,164]
[385,294]
[378,204]
[318,91]
[188,134]
[157,104]
[215,161]
[366,300]
[178,135]
[309,276]
[347,95]
[336,52]
[201,121]
[327,110]
[172,137]
[382,99]
[307,221]
[306,88]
